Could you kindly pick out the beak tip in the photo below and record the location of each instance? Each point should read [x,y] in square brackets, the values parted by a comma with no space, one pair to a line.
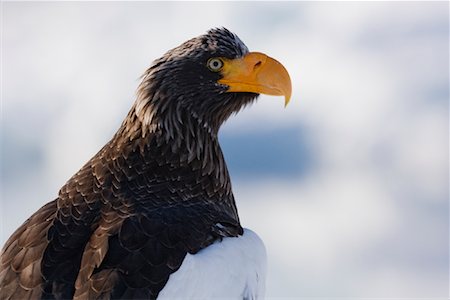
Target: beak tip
[286,102]
[287,98]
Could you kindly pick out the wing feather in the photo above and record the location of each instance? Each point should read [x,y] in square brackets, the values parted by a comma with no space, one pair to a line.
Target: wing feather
[20,268]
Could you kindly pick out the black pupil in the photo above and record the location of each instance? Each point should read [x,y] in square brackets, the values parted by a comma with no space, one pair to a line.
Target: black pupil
[216,64]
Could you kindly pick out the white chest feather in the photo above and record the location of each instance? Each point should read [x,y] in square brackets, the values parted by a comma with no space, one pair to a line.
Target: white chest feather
[234,268]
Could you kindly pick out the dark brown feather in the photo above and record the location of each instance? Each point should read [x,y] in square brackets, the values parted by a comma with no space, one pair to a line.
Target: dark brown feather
[20,268]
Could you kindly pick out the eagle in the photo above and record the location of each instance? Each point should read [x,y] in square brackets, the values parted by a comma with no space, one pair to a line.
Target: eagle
[152,214]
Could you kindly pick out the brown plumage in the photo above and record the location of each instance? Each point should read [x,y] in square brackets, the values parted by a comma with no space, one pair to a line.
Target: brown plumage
[158,190]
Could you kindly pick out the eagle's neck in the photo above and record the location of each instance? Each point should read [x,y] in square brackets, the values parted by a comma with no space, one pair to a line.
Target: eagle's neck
[174,146]
[185,142]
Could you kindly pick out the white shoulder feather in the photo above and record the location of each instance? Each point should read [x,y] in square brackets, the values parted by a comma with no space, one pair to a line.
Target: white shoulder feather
[234,268]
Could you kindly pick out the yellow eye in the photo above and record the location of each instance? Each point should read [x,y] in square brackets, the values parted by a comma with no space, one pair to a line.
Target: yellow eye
[215,64]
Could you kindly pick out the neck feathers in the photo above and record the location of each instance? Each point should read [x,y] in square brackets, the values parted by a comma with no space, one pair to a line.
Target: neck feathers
[182,140]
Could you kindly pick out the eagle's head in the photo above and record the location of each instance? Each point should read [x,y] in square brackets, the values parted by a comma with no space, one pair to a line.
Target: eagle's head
[204,80]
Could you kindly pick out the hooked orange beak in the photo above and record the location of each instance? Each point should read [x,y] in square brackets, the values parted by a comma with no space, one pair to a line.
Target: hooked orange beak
[256,73]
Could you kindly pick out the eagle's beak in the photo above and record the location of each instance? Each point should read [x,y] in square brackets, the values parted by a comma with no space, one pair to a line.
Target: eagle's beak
[256,73]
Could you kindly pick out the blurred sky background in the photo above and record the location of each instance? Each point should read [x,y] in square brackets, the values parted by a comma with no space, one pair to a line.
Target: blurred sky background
[347,186]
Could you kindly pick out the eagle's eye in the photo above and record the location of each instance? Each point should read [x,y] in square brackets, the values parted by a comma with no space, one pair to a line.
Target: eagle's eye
[215,64]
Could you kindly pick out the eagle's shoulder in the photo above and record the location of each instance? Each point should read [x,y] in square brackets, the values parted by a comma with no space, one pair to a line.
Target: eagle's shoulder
[233,268]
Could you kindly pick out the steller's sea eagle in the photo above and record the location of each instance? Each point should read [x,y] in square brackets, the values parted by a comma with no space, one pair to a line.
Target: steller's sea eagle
[152,214]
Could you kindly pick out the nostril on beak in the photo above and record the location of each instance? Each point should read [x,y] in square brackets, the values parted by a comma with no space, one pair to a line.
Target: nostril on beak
[258,64]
